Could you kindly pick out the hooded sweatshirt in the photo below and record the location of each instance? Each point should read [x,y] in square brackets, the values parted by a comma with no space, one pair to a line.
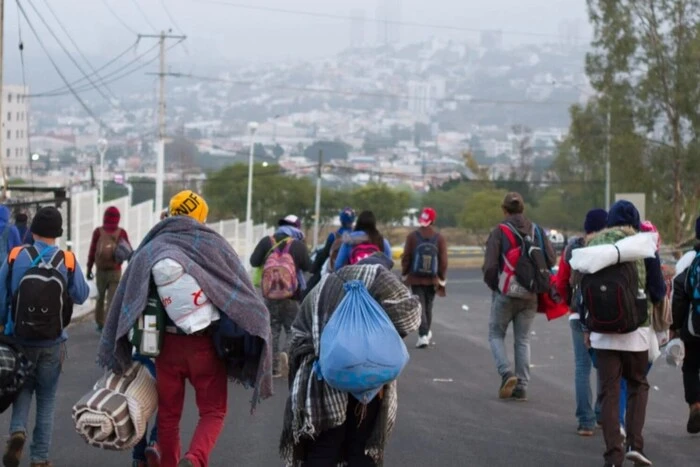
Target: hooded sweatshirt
[110,223]
[497,246]
[412,242]
[352,240]
[8,231]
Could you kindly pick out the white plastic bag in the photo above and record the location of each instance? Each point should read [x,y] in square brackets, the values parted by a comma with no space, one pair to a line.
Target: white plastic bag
[675,352]
[182,297]
[592,259]
[654,350]
[93,289]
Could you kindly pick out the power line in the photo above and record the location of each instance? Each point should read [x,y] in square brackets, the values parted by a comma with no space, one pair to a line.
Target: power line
[67,52]
[24,85]
[118,18]
[111,78]
[383,21]
[80,52]
[170,17]
[143,15]
[58,70]
[348,93]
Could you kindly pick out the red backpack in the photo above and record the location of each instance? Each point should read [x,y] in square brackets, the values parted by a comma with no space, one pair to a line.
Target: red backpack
[362,251]
[507,282]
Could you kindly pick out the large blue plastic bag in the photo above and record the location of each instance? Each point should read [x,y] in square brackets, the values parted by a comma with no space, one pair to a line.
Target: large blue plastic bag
[361,350]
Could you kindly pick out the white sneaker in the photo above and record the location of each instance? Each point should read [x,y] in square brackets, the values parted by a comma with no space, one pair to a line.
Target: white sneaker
[623,433]
[430,336]
[637,457]
[423,342]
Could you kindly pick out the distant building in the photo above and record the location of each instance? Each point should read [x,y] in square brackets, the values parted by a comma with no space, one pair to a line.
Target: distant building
[424,96]
[14,140]
[388,14]
[357,28]
[492,39]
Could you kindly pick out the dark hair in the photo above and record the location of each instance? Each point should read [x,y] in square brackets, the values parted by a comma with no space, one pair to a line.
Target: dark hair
[367,223]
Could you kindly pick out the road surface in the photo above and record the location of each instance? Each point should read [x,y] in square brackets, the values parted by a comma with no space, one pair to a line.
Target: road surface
[449,413]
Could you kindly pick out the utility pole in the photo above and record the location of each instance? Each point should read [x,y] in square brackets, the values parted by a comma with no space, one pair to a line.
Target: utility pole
[160,157]
[2,97]
[319,178]
[607,162]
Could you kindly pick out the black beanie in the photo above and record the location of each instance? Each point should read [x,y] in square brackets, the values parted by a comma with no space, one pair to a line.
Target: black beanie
[48,223]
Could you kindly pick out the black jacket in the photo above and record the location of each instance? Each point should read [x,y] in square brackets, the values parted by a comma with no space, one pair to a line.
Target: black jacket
[298,250]
[680,304]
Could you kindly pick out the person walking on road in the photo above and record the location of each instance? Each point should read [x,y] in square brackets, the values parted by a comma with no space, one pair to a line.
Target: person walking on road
[424,267]
[9,235]
[568,286]
[512,304]
[623,353]
[364,241]
[103,246]
[324,427]
[25,234]
[686,326]
[214,266]
[283,258]
[329,253]
[42,336]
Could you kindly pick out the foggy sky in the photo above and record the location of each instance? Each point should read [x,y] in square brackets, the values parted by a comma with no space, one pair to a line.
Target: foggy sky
[222,33]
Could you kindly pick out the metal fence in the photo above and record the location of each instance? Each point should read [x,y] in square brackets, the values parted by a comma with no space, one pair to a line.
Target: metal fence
[138,220]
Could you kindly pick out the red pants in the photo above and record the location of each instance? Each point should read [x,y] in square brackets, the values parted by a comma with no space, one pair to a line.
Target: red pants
[193,358]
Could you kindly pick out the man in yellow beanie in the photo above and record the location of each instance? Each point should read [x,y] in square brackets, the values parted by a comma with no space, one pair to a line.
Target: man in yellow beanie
[189,203]
[207,357]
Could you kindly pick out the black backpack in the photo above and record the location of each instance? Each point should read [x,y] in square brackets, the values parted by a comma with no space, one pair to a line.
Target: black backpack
[532,271]
[611,299]
[41,305]
[425,257]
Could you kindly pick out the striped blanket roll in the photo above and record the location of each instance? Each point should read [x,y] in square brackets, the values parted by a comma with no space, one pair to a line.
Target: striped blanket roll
[115,413]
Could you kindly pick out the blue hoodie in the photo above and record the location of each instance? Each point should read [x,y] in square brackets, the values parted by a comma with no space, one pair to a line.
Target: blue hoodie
[8,231]
[351,240]
[77,289]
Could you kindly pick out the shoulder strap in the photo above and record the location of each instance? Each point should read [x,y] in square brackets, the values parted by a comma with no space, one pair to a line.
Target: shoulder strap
[509,232]
[34,254]
[57,259]
[288,244]
[14,253]
[69,261]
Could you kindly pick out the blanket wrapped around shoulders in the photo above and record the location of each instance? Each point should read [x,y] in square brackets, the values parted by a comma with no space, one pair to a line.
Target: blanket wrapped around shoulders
[115,413]
[208,257]
[314,407]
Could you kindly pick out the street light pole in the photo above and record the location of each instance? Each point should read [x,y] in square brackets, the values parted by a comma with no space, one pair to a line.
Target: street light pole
[102,149]
[317,211]
[252,128]
[607,162]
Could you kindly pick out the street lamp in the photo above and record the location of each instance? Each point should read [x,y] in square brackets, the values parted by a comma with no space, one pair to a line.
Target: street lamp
[102,149]
[252,128]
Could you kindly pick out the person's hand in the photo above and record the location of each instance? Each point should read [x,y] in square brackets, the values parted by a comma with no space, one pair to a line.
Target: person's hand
[587,339]
[89,275]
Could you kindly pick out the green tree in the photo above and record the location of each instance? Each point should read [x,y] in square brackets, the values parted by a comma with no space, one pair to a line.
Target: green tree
[389,205]
[482,210]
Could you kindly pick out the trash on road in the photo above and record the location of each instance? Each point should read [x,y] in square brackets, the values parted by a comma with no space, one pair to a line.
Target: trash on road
[465,307]
[443,380]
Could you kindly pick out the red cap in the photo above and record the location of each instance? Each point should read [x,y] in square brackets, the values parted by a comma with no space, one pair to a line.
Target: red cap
[427,217]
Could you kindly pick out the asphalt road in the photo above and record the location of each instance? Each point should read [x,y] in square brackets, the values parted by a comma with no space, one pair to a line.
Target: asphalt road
[449,413]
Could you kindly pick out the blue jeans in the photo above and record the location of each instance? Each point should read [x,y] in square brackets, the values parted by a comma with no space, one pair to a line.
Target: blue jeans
[139,452]
[522,314]
[584,396]
[48,362]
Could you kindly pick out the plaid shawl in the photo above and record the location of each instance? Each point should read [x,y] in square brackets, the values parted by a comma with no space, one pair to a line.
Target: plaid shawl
[313,406]
[206,256]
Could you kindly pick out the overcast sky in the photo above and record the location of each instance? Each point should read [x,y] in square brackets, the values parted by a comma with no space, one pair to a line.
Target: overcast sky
[218,31]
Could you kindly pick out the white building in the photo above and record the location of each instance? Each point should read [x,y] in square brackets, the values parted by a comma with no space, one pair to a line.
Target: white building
[14,139]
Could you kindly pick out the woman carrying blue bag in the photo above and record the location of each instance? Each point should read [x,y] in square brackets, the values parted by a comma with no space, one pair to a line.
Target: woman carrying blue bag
[335,413]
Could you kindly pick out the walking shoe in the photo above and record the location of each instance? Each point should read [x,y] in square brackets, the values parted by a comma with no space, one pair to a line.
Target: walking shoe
[13,450]
[138,463]
[153,455]
[694,419]
[185,462]
[423,342]
[607,464]
[519,394]
[623,433]
[41,464]
[507,385]
[637,457]
[583,431]
[284,365]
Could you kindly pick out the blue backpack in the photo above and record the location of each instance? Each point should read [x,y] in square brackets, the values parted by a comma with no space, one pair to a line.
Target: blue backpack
[4,238]
[425,257]
[361,350]
[693,286]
